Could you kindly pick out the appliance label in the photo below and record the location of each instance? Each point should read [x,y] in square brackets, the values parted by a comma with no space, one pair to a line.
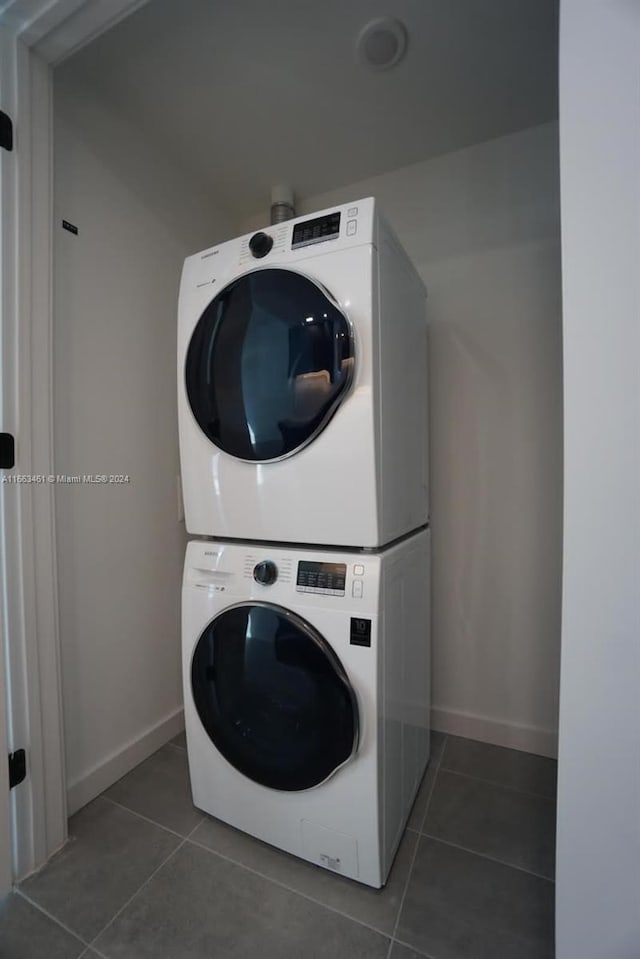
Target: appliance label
[360,632]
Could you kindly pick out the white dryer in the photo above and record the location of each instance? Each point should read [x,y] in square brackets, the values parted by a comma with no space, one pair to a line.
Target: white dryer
[306,691]
[302,384]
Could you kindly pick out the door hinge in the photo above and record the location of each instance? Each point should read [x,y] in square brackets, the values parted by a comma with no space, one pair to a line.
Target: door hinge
[17,767]
[7,451]
[6,131]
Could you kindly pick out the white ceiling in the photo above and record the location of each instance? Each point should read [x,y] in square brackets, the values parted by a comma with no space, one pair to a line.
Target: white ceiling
[247,93]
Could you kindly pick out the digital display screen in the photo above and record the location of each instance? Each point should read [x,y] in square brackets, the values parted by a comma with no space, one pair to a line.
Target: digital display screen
[315,231]
[321,577]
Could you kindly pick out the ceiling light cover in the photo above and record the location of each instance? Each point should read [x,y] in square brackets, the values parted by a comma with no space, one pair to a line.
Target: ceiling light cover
[382,43]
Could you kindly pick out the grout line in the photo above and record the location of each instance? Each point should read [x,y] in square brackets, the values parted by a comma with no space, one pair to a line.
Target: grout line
[297,892]
[493,782]
[436,770]
[151,822]
[418,952]
[195,829]
[438,761]
[50,915]
[131,898]
[444,748]
[146,882]
[175,746]
[432,766]
[415,853]
[96,952]
[482,855]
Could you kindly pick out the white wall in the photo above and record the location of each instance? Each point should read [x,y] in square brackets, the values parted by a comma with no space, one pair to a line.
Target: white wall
[120,548]
[482,226]
[598,858]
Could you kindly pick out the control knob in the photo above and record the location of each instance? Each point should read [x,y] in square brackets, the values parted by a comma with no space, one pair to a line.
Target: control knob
[265,572]
[260,244]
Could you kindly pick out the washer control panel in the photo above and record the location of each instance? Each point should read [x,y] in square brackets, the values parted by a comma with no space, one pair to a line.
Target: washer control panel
[327,578]
[295,578]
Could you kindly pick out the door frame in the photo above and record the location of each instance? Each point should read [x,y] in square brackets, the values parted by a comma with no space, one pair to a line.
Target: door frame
[34,37]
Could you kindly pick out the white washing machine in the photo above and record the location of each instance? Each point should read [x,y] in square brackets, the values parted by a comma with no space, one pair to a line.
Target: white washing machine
[302,384]
[306,690]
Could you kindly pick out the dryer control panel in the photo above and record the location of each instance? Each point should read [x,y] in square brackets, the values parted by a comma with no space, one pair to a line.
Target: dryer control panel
[318,230]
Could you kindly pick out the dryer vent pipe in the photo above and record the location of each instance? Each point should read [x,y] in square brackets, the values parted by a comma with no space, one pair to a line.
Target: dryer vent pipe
[282,203]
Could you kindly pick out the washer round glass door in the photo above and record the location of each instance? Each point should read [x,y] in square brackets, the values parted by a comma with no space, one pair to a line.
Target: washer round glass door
[274,697]
[268,363]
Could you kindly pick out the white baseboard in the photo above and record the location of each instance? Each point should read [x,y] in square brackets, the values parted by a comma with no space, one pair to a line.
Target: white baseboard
[529,739]
[105,773]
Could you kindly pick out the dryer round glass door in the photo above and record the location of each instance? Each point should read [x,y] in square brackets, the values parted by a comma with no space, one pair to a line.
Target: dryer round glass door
[274,697]
[268,363]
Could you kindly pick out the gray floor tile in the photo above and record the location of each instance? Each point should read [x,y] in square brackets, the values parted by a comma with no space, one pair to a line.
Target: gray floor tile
[416,817]
[438,741]
[110,854]
[26,933]
[462,906]
[200,905]
[159,789]
[515,827]
[506,767]
[180,740]
[375,907]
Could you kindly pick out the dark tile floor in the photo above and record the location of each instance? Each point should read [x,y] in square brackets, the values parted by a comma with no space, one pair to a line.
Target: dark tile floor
[147,876]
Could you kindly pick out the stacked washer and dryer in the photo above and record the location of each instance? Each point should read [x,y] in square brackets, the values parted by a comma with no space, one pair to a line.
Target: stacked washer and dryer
[302,403]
